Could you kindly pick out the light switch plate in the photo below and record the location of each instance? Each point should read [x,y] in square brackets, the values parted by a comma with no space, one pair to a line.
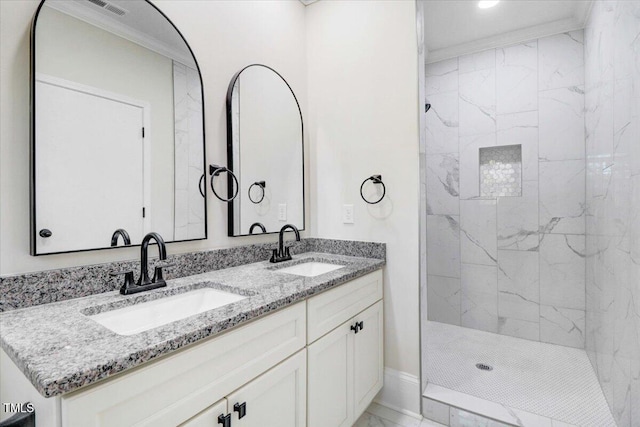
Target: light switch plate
[347,214]
[282,212]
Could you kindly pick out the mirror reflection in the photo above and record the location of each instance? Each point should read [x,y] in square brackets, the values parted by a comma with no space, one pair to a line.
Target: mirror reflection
[265,149]
[118,131]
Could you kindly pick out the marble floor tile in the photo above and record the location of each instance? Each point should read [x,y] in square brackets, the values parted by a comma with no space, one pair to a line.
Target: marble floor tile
[530,381]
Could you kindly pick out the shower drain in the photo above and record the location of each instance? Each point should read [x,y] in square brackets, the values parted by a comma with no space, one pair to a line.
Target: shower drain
[484,367]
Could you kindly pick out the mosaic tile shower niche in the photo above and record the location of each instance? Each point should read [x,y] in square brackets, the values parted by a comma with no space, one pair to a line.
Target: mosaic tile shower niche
[501,171]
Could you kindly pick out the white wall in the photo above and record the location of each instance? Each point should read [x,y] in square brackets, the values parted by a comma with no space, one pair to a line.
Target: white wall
[362,63]
[224,35]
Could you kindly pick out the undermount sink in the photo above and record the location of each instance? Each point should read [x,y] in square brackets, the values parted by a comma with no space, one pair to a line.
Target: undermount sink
[310,269]
[148,315]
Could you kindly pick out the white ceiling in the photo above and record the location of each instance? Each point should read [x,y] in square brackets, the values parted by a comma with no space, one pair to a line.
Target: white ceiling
[458,27]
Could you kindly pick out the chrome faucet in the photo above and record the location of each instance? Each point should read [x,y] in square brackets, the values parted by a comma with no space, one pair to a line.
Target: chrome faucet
[125,237]
[144,283]
[282,253]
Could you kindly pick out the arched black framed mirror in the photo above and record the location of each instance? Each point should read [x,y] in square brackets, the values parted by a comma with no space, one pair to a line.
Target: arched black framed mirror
[265,150]
[117,127]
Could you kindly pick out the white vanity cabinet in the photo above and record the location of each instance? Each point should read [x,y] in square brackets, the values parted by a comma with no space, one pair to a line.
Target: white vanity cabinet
[302,366]
[172,390]
[345,365]
[277,398]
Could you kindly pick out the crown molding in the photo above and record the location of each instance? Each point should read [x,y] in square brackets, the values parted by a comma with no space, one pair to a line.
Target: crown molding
[507,39]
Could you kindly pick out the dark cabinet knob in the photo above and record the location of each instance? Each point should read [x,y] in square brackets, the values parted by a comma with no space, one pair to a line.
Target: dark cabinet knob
[354,328]
[361,324]
[45,232]
[241,409]
[225,420]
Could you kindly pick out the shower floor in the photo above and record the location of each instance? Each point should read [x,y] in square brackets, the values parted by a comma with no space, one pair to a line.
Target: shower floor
[544,379]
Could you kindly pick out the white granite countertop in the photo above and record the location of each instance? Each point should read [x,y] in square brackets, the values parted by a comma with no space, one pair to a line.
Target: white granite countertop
[59,349]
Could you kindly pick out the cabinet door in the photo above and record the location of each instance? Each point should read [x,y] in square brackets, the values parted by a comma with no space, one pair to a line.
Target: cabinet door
[208,417]
[277,398]
[330,389]
[368,357]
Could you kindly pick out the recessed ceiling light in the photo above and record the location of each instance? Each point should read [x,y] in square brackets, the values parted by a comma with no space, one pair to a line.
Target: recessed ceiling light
[485,4]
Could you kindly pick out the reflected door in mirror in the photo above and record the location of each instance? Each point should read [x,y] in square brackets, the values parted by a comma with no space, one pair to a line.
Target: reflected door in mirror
[118,137]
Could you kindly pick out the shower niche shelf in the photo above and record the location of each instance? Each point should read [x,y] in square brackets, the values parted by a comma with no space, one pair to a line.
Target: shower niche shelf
[501,171]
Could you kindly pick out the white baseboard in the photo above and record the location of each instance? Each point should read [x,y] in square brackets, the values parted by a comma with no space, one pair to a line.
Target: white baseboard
[401,392]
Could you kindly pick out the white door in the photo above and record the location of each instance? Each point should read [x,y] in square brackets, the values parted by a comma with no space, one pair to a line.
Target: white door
[330,389]
[368,357]
[100,141]
[277,398]
[208,417]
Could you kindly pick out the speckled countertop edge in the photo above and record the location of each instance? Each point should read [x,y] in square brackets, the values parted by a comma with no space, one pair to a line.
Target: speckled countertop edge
[60,350]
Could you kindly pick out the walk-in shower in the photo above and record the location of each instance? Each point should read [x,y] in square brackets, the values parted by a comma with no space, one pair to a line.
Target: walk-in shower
[530,293]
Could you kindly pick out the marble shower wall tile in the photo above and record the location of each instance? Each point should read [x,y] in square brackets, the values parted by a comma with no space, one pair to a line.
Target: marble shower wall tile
[442,123]
[470,163]
[562,197]
[443,178]
[561,118]
[519,328]
[479,297]
[517,78]
[518,285]
[562,270]
[561,60]
[477,102]
[443,296]
[441,76]
[477,61]
[521,129]
[530,94]
[443,245]
[478,238]
[562,326]
[518,219]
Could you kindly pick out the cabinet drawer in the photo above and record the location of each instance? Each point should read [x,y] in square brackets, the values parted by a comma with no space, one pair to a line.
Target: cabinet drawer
[332,308]
[171,390]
